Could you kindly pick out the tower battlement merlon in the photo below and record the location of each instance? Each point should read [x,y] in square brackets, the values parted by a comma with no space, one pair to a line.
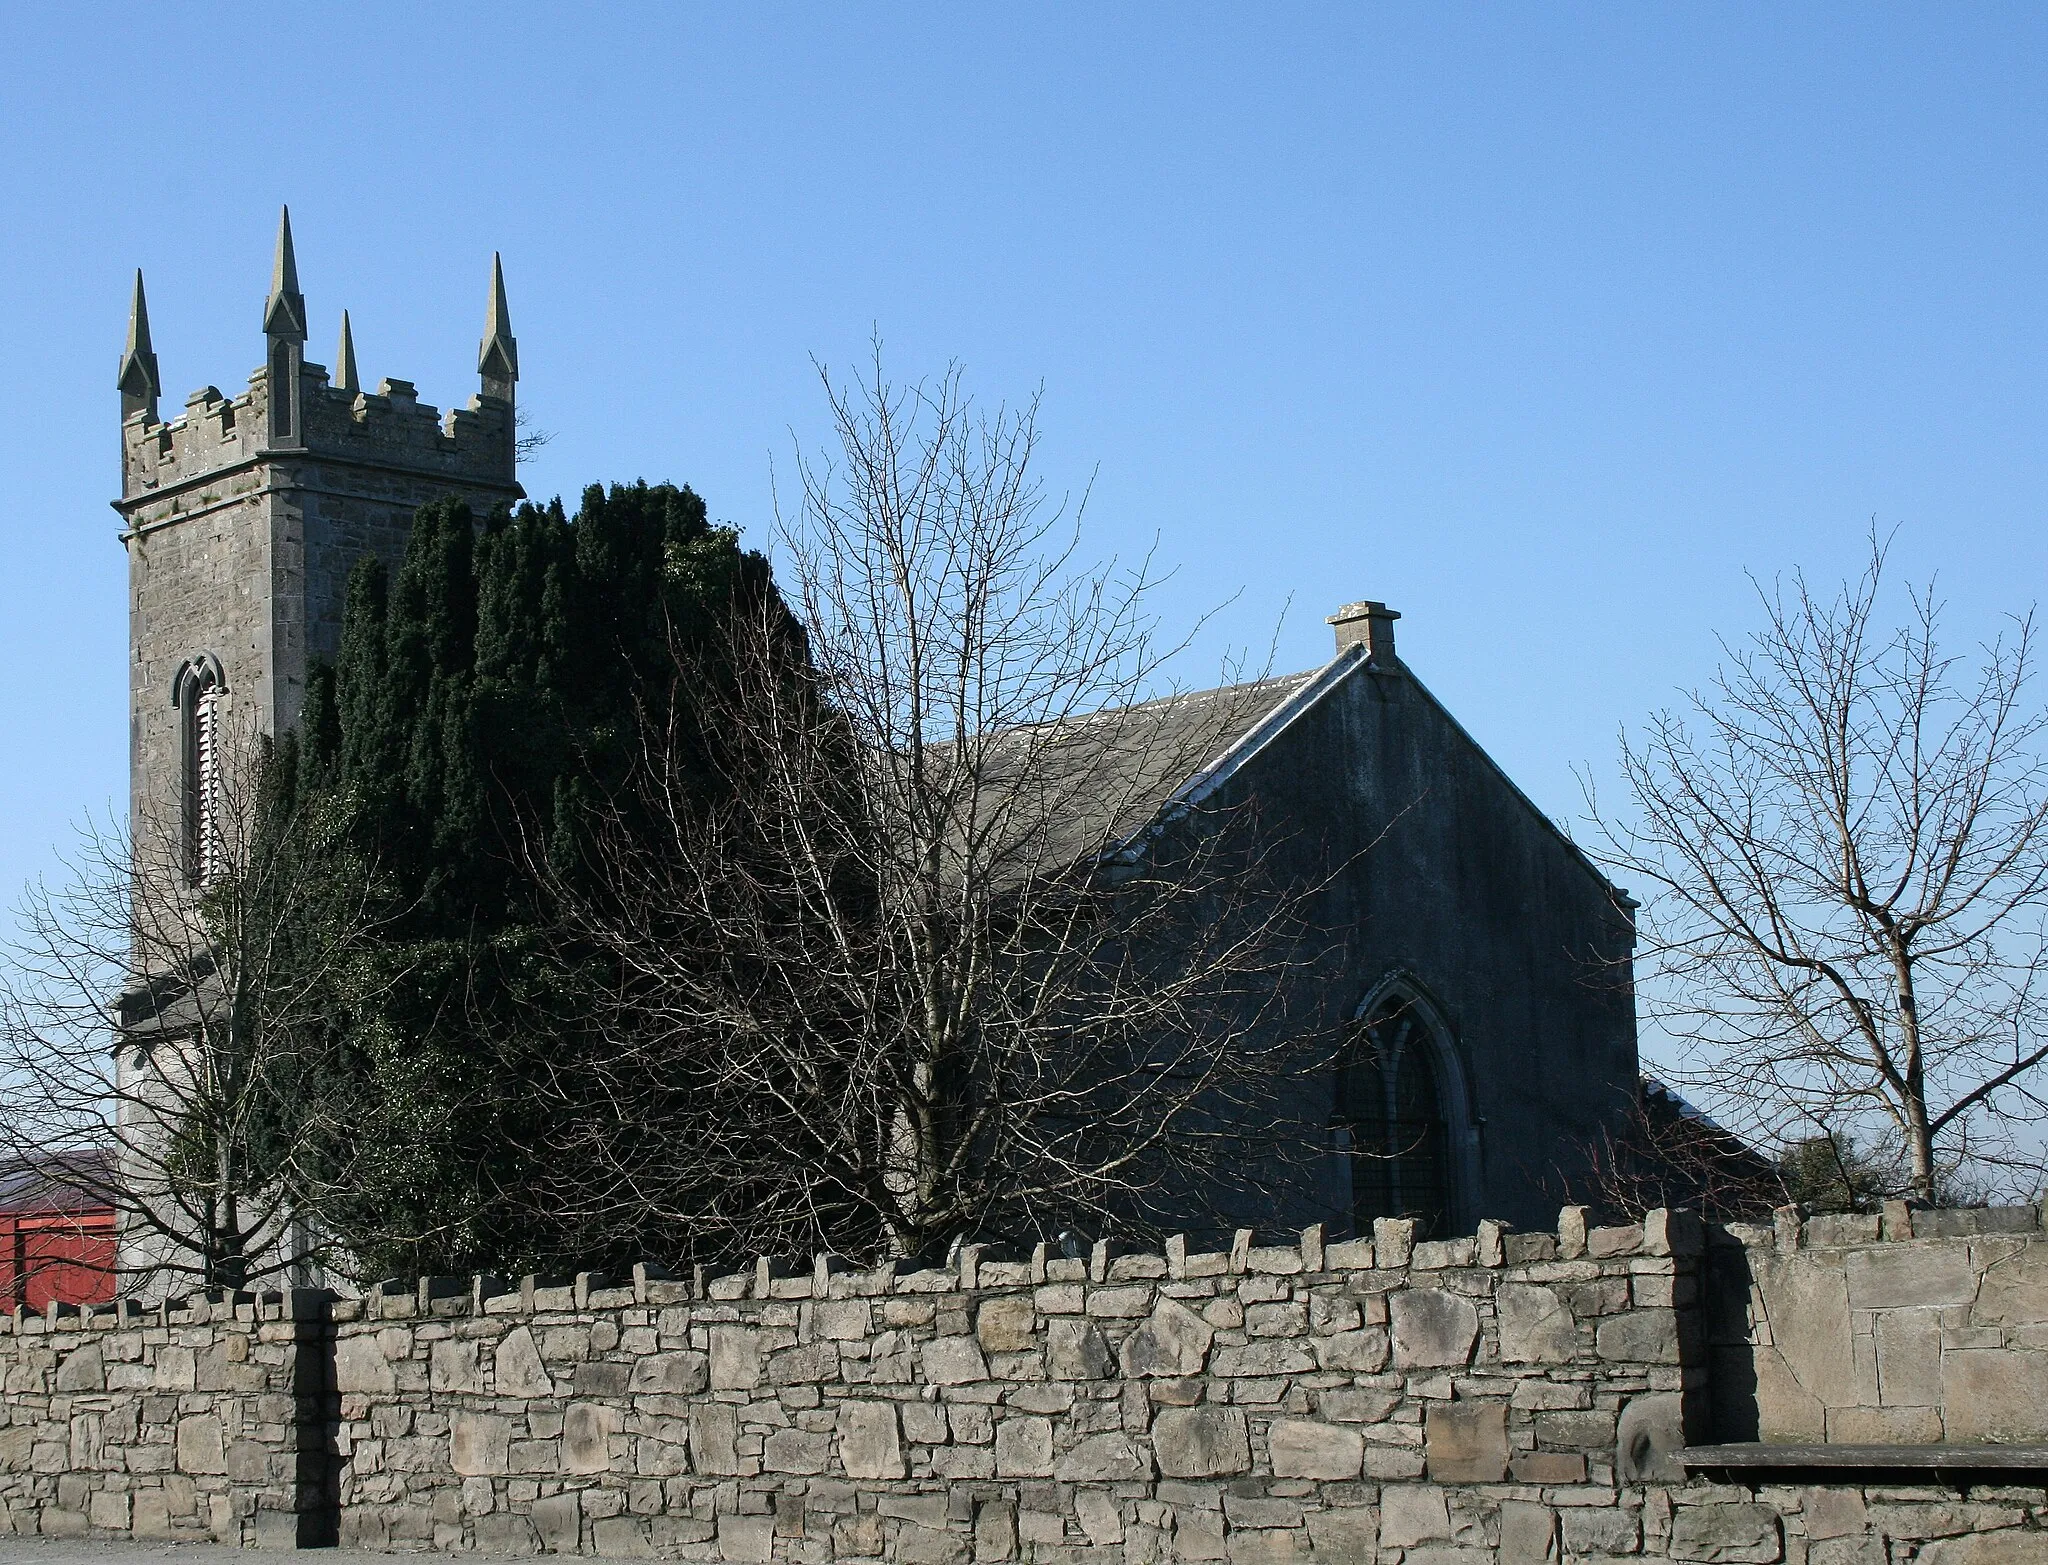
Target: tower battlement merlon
[292,410]
[389,428]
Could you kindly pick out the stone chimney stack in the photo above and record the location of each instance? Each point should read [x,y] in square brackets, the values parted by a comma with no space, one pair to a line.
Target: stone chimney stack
[1370,625]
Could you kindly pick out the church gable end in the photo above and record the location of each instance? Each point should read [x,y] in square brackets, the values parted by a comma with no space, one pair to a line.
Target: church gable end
[1478,965]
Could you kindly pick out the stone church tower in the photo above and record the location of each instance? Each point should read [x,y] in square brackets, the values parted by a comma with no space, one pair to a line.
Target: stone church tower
[244,516]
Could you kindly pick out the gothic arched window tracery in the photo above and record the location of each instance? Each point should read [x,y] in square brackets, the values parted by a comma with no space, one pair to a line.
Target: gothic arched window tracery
[200,695]
[1391,1120]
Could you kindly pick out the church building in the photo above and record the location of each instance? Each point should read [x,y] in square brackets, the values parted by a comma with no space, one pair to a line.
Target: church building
[1475,966]
[1479,961]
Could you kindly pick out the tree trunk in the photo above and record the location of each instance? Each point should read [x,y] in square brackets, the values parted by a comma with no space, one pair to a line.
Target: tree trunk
[1919,1137]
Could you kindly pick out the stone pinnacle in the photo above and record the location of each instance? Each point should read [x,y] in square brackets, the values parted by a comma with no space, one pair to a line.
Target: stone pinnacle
[284,315]
[498,358]
[345,360]
[138,380]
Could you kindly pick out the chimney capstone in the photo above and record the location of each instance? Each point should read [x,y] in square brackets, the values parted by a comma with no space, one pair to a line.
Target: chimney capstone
[1369,624]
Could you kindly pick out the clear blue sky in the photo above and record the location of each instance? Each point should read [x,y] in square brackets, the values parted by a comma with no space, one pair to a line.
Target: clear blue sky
[1542,323]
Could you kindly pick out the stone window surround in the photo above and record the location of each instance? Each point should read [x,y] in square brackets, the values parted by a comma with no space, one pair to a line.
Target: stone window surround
[1454,1095]
[197,690]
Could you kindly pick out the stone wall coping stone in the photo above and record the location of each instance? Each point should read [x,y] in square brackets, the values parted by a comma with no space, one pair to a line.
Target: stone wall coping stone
[1793,1228]
[1393,1253]
[1378,1263]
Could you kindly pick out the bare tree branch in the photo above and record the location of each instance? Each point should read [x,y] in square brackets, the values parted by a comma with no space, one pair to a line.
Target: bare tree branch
[162,1043]
[941,966]
[1845,844]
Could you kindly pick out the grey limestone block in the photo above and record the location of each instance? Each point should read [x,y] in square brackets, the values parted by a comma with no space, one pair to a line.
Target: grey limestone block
[1393,1241]
[1896,1276]
[1201,1442]
[1995,1393]
[1005,1324]
[1412,1514]
[1648,1336]
[1363,1351]
[1103,1458]
[952,1361]
[1536,1327]
[1432,1328]
[1466,1442]
[735,1358]
[796,1451]
[1528,1533]
[1598,1531]
[1738,1533]
[1308,1448]
[1077,1350]
[1024,1447]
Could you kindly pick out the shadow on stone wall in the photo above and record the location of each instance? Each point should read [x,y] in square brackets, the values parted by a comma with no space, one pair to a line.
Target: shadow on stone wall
[1731,1411]
[316,1423]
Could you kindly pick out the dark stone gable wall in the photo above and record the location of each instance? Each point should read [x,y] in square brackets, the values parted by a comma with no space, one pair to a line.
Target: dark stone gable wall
[1451,878]
[1502,1399]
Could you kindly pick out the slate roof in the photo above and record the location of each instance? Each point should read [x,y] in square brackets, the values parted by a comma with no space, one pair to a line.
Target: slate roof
[1132,764]
[1181,748]
[61,1182]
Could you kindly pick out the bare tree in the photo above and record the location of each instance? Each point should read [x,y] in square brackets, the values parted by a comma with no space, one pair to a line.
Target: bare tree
[1845,841]
[965,945]
[528,438]
[164,1029]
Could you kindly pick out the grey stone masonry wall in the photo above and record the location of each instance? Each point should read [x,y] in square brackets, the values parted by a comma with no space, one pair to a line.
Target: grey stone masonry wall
[1508,1398]
[190,1420]
[1344,1401]
[240,546]
[1905,1328]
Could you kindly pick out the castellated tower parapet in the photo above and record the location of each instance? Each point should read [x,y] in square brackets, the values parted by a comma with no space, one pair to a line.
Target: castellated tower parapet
[291,407]
[244,516]
[387,428]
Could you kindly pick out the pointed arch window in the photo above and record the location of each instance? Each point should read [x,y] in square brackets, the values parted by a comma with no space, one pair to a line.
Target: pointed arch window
[1392,1123]
[200,697]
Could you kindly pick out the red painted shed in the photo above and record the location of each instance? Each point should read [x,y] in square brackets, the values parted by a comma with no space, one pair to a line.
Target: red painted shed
[57,1239]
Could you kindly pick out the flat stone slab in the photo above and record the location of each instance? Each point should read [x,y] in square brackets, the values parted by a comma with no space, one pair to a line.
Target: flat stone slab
[1953,1458]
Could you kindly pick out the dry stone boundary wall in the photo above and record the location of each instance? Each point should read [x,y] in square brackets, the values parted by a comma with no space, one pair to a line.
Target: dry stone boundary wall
[189,1420]
[1508,1397]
